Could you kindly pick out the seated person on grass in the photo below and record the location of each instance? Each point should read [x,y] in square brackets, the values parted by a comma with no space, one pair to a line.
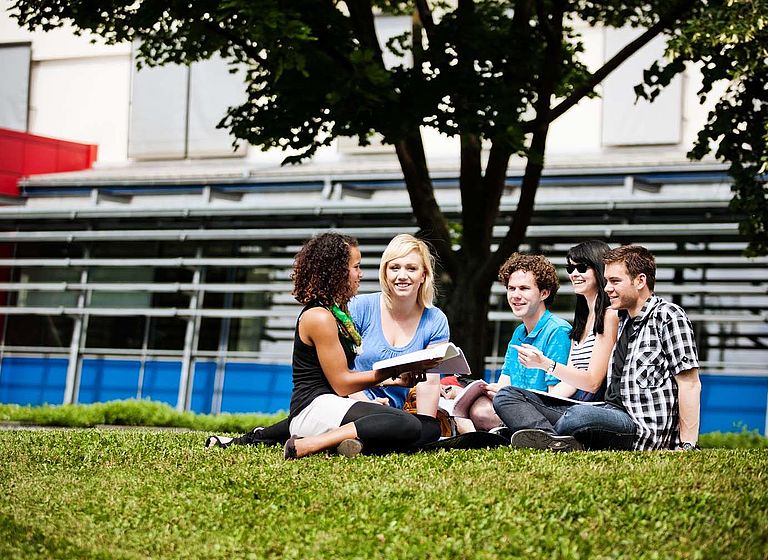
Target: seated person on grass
[653,396]
[401,318]
[531,284]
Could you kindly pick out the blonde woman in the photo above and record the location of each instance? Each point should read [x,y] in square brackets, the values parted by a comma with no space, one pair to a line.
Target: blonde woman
[401,318]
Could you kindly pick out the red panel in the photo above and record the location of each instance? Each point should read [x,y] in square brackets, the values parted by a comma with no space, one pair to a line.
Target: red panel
[24,154]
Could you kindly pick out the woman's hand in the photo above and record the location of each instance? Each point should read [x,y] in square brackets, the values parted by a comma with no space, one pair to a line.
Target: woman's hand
[408,375]
[411,378]
[531,357]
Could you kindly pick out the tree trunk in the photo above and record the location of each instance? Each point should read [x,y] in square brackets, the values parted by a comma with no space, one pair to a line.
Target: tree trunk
[467,311]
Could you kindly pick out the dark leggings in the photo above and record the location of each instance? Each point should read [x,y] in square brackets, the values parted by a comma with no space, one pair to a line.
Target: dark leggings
[271,435]
[383,428]
[391,429]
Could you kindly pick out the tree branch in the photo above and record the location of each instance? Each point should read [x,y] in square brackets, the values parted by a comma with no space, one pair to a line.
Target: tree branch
[631,48]
[547,83]
[494,182]
[361,16]
[425,17]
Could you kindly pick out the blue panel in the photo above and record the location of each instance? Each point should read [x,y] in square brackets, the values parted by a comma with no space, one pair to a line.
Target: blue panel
[202,388]
[256,388]
[104,380]
[161,381]
[732,403]
[33,381]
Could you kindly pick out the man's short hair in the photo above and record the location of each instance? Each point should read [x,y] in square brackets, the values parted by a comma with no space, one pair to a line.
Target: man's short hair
[637,259]
[543,271]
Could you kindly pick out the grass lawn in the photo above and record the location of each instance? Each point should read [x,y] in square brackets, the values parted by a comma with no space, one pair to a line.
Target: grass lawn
[102,493]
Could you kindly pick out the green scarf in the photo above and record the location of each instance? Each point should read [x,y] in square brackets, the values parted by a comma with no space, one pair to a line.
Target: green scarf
[347,329]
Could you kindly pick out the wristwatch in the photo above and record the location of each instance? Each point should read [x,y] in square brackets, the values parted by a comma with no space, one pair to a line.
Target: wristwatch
[551,369]
[688,446]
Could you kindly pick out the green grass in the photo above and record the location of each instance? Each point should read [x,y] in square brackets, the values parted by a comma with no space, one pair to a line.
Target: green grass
[146,494]
[132,412]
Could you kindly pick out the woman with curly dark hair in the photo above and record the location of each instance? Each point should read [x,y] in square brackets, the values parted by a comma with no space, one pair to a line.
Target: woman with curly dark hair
[326,274]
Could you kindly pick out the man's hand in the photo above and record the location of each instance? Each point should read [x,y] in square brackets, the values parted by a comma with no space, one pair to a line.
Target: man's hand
[492,388]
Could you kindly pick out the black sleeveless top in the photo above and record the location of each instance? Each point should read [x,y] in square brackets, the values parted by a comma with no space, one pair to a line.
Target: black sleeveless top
[309,381]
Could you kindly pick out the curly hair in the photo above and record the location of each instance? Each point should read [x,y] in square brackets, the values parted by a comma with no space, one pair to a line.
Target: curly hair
[637,259]
[400,246]
[543,271]
[321,270]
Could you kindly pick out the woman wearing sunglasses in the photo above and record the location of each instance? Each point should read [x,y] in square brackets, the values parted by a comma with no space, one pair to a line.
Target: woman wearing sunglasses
[595,326]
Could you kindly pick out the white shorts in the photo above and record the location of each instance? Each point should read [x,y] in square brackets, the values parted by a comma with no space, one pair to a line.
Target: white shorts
[323,414]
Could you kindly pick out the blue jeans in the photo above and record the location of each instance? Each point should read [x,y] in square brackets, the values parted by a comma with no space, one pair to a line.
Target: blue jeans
[600,426]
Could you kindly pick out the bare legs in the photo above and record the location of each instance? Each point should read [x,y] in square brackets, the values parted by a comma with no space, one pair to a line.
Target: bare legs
[482,414]
[313,444]
[428,395]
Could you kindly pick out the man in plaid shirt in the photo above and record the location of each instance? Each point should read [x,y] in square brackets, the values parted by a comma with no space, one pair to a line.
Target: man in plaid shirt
[653,375]
[653,395]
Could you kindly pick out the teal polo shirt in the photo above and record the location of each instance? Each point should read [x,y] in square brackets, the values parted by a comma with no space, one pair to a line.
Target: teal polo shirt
[550,335]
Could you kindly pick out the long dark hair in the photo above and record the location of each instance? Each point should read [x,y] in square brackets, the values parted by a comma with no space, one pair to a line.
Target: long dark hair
[590,253]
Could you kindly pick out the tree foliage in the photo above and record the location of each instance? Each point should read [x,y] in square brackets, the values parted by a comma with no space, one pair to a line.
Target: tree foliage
[493,73]
[728,39]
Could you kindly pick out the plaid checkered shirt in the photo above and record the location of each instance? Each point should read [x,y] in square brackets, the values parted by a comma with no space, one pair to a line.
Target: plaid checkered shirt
[661,346]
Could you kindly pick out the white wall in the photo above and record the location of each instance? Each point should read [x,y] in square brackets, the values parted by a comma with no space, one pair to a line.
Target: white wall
[91,108]
[78,91]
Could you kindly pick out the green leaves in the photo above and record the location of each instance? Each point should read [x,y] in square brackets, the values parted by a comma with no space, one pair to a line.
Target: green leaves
[728,40]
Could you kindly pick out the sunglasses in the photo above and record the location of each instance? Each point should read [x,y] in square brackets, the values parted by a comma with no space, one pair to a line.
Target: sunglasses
[581,267]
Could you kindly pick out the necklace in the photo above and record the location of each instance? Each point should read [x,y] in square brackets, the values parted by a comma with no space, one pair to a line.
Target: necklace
[347,329]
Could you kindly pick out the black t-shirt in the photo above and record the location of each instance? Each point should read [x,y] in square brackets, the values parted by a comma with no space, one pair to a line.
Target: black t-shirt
[309,381]
[613,392]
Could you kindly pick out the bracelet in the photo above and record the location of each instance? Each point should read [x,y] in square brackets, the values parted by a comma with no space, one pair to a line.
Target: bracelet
[551,369]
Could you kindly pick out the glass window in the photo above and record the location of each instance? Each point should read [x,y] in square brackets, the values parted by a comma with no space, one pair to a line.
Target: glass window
[39,330]
[115,332]
[175,110]
[15,62]
[167,333]
[47,298]
[626,123]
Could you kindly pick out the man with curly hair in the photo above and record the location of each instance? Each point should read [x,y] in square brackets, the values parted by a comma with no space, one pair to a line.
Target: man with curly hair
[531,283]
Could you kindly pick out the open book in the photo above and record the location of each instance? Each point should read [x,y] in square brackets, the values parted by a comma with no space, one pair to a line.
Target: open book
[452,360]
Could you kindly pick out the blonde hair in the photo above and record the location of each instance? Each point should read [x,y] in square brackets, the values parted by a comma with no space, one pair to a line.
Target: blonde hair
[399,247]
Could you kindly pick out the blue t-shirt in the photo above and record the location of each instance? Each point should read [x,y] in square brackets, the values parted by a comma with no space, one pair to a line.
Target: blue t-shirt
[550,335]
[366,314]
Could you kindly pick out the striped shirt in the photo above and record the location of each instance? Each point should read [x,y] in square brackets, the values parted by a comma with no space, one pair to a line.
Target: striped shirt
[579,358]
[582,352]
[661,346]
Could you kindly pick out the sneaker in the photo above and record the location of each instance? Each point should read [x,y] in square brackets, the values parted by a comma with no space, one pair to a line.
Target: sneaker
[502,431]
[350,447]
[539,439]
[218,441]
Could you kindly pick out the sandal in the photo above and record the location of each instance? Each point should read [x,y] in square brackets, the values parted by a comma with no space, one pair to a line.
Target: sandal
[289,451]
[350,447]
[218,441]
